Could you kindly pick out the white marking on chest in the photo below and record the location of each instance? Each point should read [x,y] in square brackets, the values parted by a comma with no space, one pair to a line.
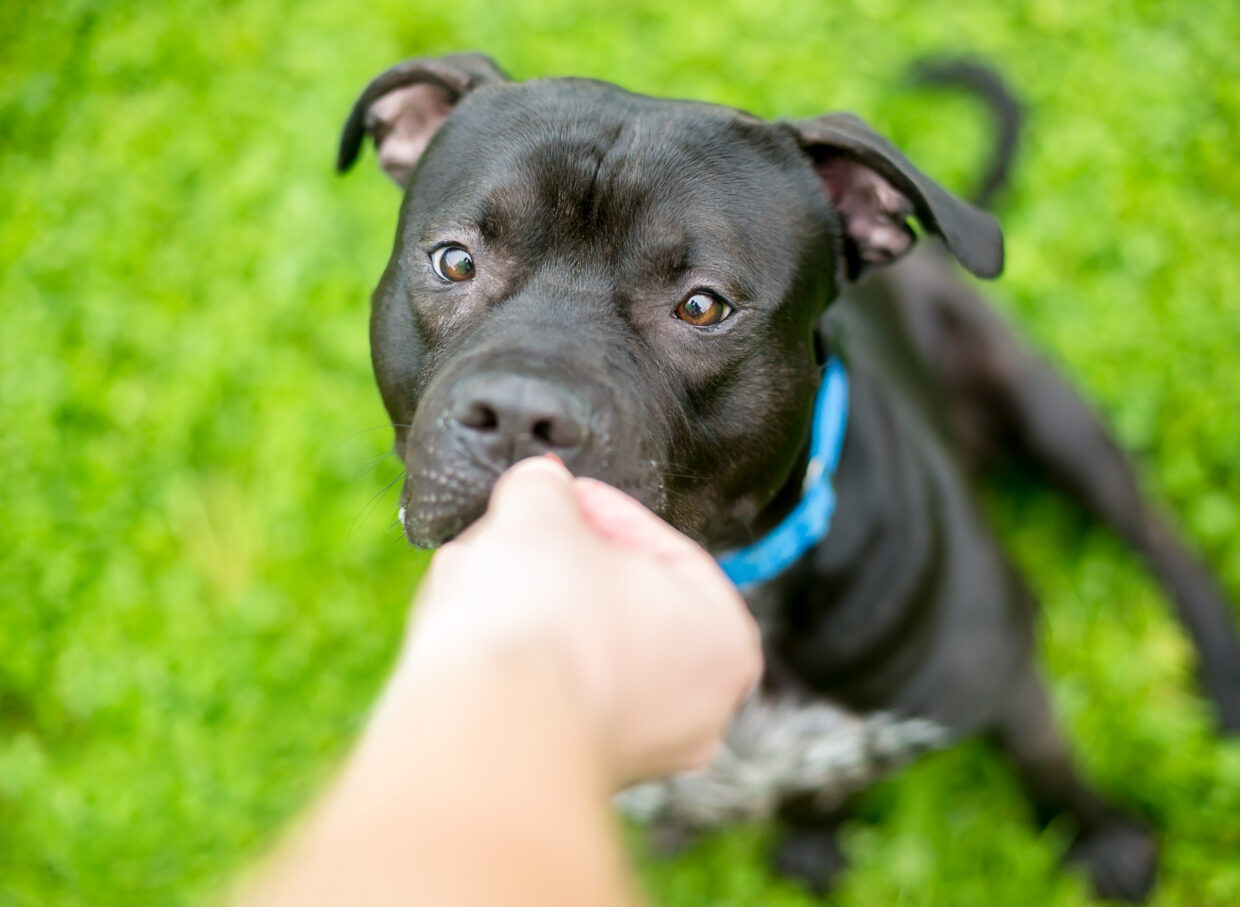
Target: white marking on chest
[783,748]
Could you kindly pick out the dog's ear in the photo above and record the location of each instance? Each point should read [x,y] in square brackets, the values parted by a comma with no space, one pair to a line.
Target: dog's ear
[402,108]
[875,189]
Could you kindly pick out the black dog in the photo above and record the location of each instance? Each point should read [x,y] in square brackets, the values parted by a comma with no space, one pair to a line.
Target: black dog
[639,286]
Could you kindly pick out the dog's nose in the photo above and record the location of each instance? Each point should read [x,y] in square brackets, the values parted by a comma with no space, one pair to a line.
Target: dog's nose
[510,417]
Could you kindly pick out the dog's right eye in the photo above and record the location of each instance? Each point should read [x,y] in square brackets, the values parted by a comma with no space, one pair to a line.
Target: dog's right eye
[453,263]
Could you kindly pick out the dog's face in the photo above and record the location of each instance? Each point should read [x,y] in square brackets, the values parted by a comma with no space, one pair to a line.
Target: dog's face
[631,284]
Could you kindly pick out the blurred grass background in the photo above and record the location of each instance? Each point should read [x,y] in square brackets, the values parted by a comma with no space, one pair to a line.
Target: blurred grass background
[200,584]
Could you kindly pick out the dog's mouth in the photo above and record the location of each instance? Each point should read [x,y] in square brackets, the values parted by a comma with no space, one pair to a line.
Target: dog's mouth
[446,491]
[439,501]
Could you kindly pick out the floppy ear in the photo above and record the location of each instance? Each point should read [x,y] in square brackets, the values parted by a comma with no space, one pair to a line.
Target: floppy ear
[402,108]
[875,189]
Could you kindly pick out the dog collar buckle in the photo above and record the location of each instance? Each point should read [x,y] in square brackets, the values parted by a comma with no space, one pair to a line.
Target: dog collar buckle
[813,472]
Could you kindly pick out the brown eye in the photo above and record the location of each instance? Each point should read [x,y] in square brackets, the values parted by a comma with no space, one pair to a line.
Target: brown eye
[453,263]
[702,310]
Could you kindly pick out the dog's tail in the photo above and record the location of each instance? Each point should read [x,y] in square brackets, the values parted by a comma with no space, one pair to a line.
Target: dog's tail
[1009,116]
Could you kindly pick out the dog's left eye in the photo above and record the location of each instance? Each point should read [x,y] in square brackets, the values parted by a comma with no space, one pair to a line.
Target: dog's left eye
[453,263]
[702,310]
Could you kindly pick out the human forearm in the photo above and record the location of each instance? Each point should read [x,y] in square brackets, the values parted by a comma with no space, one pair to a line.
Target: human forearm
[492,760]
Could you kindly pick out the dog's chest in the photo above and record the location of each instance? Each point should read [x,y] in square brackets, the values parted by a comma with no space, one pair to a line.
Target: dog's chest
[781,747]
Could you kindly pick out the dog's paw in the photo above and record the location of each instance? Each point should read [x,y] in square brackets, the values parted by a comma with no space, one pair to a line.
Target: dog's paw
[1121,858]
[811,857]
[1229,717]
[1225,691]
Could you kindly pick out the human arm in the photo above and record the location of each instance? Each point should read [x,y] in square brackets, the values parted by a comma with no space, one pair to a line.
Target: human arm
[566,645]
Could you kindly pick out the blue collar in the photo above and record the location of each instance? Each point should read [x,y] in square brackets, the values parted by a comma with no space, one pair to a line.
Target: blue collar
[809,521]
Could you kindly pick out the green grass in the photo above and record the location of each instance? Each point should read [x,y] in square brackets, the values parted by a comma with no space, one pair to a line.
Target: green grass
[200,586]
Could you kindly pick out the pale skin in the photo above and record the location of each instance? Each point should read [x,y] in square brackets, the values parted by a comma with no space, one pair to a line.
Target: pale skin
[568,644]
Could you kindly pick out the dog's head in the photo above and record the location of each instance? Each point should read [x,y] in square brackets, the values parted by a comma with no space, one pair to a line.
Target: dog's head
[632,284]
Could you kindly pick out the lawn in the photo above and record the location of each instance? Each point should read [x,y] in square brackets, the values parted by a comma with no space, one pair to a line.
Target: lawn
[201,586]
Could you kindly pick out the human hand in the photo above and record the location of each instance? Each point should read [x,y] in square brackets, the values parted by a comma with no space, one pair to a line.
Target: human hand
[656,642]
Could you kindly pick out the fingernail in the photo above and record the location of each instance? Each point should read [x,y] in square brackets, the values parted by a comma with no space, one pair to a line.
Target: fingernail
[543,461]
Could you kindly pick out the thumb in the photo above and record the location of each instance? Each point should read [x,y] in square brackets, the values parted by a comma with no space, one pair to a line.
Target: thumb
[537,491]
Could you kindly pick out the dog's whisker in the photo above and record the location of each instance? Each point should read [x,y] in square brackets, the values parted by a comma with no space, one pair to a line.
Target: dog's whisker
[672,470]
[366,431]
[374,502]
[370,464]
[397,526]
